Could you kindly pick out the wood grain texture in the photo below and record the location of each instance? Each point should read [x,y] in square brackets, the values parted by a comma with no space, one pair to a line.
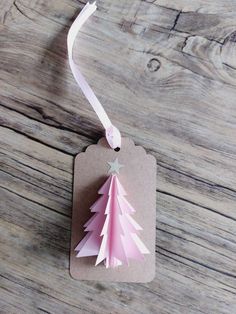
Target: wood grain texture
[166,74]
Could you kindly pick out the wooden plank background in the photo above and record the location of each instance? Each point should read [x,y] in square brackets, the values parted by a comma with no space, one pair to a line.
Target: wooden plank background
[166,74]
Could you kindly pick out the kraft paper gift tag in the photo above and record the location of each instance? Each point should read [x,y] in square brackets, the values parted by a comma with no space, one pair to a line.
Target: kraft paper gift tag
[138,177]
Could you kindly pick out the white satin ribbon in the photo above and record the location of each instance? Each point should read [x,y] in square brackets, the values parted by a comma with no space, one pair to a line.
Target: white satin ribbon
[112,133]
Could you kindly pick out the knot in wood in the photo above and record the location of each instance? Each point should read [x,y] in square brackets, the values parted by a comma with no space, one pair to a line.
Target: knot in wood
[153,65]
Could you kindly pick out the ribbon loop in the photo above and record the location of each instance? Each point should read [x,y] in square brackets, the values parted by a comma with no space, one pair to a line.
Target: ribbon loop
[112,133]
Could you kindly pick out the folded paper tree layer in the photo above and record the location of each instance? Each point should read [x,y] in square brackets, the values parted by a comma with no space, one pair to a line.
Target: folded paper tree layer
[112,233]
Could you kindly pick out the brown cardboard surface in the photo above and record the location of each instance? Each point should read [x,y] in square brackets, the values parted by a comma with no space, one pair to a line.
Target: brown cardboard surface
[138,177]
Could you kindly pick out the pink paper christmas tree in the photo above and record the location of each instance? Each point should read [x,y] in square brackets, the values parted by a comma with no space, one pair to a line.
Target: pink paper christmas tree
[112,232]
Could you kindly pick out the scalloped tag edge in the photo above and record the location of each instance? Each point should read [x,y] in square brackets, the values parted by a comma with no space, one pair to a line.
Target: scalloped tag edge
[138,177]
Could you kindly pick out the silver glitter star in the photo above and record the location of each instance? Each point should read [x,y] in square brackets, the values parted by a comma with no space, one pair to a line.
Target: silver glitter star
[115,166]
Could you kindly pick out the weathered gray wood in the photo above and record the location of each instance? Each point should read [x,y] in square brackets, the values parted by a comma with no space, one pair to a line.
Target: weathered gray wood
[166,73]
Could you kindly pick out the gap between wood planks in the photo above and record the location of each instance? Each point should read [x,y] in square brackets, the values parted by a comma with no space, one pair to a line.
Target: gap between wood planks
[211,184]
[157,246]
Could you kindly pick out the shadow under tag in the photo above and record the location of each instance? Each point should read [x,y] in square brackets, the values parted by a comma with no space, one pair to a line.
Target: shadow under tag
[138,177]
